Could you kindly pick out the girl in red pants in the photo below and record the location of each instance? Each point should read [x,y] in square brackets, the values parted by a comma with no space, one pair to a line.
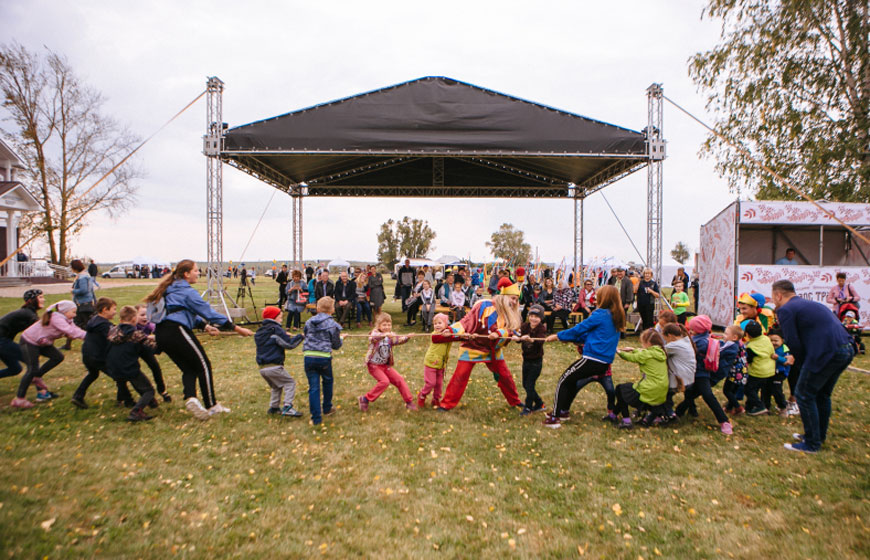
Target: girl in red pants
[379,361]
[494,321]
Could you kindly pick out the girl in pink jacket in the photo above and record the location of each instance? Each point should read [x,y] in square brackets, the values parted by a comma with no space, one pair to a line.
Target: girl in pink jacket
[38,340]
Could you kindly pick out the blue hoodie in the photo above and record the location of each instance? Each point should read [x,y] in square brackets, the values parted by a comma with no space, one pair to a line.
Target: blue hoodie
[185,306]
[322,336]
[272,340]
[598,335]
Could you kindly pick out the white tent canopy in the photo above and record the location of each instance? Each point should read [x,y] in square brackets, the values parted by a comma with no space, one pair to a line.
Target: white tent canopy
[338,263]
[449,259]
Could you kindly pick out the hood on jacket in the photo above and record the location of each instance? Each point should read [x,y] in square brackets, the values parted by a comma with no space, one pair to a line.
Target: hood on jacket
[322,322]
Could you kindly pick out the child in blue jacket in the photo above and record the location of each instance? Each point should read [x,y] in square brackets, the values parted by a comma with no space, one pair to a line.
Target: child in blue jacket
[272,340]
[322,336]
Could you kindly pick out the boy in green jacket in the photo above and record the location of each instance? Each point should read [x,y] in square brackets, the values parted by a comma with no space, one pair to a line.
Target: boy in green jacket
[761,357]
[652,388]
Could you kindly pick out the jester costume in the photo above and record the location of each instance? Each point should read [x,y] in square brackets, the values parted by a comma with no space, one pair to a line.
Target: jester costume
[481,320]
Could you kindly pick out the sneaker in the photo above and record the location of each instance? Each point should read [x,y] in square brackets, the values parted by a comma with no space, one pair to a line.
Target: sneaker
[442,409]
[273,410]
[738,411]
[436,403]
[166,397]
[538,408]
[138,416]
[801,446]
[564,414]
[421,401]
[411,405]
[625,424]
[525,411]
[218,408]
[363,403]
[610,417]
[551,421]
[649,420]
[726,428]
[196,409]
[793,409]
[43,396]
[757,412]
[79,402]
[329,412]
[20,403]
[290,411]
[798,437]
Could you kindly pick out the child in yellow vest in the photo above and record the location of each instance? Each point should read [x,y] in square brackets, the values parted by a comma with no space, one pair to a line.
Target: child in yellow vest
[760,356]
[434,362]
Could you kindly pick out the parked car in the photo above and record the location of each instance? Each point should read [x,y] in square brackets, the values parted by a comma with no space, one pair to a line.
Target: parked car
[120,271]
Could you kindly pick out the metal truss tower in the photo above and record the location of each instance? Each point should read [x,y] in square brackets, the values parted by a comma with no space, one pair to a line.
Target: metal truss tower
[213,143]
[296,193]
[656,154]
[579,196]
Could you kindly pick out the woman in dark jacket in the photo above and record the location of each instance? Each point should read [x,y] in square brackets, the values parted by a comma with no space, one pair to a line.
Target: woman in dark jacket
[647,293]
[376,290]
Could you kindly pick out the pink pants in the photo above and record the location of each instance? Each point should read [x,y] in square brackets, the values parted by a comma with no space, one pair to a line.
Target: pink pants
[385,375]
[433,380]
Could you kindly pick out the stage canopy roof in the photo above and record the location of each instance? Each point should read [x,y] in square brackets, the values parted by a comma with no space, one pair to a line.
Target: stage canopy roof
[435,137]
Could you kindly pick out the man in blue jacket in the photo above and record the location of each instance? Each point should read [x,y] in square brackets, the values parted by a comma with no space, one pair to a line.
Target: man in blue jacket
[824,348]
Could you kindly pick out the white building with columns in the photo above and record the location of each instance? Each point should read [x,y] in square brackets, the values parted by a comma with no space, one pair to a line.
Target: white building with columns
[14,201]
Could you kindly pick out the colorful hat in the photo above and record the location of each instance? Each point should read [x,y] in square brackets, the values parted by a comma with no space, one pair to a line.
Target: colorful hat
[747,299]
[759,299]
[270,312]
[509,289]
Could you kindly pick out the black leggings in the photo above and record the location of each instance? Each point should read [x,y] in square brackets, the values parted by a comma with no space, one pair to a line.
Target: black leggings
[123,394]
[30,354]
[701,388]
[182,347]
[154,366]
[647,315]
[566,388]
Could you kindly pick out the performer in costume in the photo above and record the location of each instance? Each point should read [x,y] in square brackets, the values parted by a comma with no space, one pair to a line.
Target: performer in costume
[498,319]
[752,308]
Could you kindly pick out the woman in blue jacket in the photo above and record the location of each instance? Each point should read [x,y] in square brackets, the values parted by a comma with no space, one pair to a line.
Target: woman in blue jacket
[183,310]
[599,335]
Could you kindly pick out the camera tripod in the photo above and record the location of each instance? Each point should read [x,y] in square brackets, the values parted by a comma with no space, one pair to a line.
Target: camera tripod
[245,288]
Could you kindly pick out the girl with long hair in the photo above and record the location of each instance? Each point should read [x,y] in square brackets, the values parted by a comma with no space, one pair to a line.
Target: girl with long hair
[184,309]
[599,336]
[494,322]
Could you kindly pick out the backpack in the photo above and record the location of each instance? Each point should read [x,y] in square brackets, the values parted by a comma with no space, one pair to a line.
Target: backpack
[711,358]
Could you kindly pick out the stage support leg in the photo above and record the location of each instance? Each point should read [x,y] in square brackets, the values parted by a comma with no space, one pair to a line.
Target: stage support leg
[578,241]
[296,195]
[656,154]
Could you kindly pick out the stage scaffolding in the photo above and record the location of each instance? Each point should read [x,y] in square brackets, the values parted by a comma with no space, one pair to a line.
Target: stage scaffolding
[530,178]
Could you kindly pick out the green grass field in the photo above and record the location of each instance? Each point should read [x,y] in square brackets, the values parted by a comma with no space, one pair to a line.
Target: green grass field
[477,482]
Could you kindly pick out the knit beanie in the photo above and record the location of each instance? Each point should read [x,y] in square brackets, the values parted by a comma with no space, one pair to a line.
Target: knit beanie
[700,324]
[270,312]
[64,305]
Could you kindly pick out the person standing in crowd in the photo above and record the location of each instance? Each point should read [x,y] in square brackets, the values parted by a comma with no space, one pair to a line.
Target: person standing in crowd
[376,290]
[345,297]
[13,323]
[282,278]
[824,349]
[695,292]
[788,259]
[323,287]
[183,309]
[625,288]
[527,295]
[296,300]
[405,283]
[363,306]
[309,272]
[680,276]
[93,270]
[842,294]
[647,292]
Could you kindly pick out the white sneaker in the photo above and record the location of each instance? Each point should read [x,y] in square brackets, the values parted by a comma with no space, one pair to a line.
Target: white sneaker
[195,407]
[793,409]
[217,409]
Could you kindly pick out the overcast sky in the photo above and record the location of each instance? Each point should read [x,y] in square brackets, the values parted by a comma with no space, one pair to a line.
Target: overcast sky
[591,58]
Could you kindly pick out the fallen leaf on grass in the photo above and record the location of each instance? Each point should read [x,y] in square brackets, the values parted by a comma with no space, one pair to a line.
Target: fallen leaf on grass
[617,509]
[46,525]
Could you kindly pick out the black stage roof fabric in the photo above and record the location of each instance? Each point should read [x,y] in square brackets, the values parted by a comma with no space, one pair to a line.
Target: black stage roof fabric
[434,136]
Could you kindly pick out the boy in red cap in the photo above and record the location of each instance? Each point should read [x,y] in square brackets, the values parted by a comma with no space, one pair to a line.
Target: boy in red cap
[272,340]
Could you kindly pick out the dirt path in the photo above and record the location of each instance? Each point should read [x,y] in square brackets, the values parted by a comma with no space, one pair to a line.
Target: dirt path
[65,287]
